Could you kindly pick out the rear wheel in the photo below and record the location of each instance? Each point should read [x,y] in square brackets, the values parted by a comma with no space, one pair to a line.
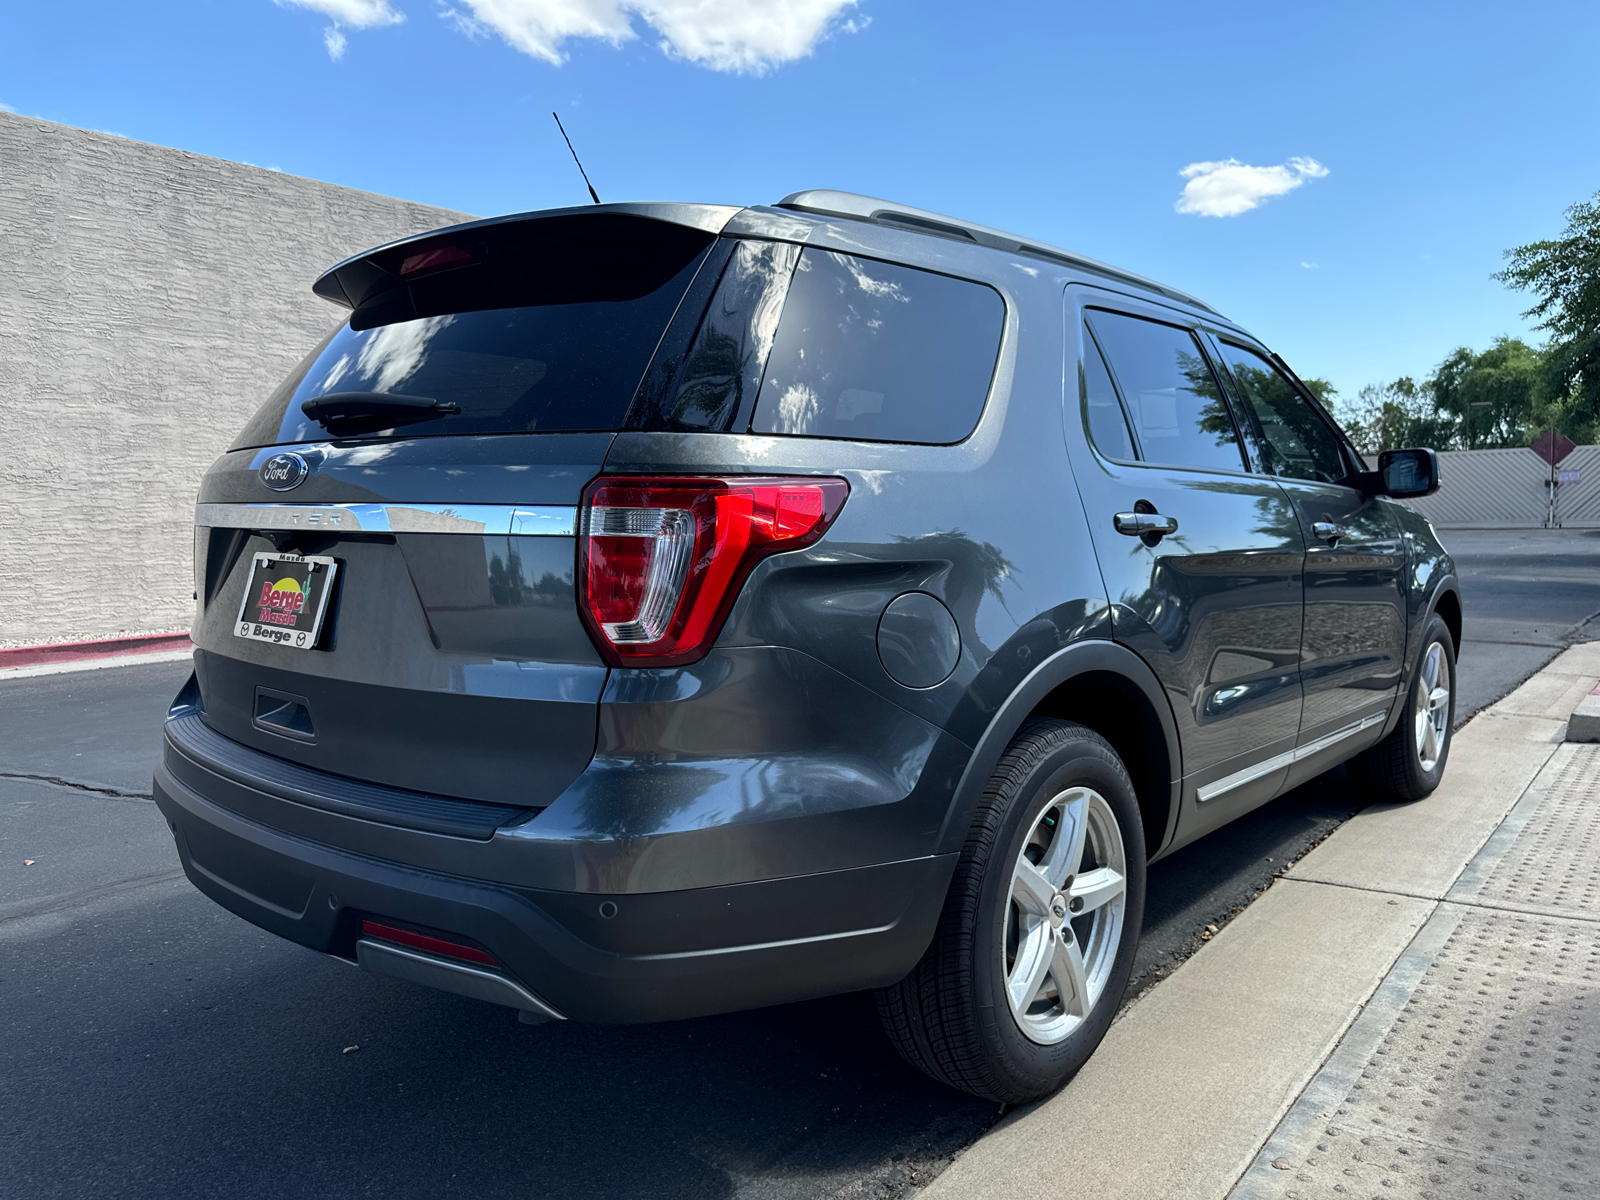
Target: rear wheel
[1409,763]
[1036,941]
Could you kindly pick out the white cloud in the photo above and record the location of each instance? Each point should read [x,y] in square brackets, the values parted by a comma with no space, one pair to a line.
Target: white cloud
[352,14]
[357,14]
[1311,266]
[4,107]
[749,36]
[1228,188]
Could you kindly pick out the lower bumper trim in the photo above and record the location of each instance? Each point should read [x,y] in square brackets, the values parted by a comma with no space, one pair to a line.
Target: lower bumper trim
[460,978]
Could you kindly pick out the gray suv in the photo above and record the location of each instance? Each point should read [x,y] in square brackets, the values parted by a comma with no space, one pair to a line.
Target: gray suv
[654,610]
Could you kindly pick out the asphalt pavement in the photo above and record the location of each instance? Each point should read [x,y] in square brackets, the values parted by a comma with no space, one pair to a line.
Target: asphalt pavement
[1526,595]
[152,1044]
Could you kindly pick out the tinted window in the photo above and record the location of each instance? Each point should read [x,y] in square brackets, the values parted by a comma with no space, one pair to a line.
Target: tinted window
[878,352]
[722,369]
[1295,441]
[1178,413]
[551,328]
[1108,425]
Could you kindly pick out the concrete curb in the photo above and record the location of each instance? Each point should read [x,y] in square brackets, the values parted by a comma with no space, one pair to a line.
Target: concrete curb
[57,652]
[1195,1077]
[20,662]
[1584,726]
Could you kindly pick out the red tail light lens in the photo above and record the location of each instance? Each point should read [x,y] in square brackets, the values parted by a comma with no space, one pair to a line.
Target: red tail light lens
[661,560]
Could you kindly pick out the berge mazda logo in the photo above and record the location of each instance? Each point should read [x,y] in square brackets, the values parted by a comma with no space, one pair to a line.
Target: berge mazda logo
[284,471]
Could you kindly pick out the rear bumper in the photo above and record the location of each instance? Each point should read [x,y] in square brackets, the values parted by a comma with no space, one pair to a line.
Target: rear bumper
[626,957]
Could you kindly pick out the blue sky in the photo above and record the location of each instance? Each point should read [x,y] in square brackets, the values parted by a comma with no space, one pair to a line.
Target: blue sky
[1423,139]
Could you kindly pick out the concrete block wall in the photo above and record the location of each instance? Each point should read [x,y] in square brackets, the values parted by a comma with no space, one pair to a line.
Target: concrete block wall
[150,299]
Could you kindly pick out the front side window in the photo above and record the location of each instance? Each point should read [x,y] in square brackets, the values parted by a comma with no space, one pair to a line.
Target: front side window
[1177,410]
[1294,440]
[873,351]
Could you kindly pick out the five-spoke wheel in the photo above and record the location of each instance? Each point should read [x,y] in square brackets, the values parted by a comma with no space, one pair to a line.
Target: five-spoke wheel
[1064,920]
[1409,763]
[1433,706]
[1036,941]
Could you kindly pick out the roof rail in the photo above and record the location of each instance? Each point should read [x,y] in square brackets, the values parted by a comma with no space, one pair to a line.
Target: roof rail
[823,202]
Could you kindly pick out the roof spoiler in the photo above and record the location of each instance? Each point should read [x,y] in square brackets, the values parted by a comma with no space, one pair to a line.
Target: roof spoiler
[364,276]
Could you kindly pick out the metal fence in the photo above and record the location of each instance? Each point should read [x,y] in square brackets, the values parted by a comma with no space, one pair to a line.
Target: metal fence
[1508,488]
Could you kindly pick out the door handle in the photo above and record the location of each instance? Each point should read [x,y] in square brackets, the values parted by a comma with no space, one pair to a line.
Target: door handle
[1327,531]
[1152,526]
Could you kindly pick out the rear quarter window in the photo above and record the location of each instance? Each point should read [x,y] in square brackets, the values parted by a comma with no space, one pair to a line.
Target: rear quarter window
[874,351]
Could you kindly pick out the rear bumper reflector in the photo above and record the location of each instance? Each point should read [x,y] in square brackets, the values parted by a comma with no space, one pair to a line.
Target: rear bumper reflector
[422,941]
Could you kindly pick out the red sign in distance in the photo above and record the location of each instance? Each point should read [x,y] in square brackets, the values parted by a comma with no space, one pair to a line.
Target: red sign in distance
[1552,445]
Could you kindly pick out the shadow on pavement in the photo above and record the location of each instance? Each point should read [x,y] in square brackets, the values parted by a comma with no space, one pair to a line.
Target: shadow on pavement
[177,1051]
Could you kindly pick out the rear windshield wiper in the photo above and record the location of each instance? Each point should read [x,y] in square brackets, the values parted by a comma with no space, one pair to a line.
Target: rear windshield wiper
[350,412]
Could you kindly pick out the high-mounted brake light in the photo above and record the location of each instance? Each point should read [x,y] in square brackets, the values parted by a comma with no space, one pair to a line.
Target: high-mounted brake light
[661,560]
[434,258]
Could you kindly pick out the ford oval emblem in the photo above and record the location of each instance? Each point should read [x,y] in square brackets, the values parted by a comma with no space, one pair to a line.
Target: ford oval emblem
[284,471]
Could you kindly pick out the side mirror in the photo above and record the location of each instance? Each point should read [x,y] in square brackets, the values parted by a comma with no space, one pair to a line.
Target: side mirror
[1408,473]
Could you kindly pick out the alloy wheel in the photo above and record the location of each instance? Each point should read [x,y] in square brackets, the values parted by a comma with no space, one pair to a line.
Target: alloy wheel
[1433,707]
[1064,915]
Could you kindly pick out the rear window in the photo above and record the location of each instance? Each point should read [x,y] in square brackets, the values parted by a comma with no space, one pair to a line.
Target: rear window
[873,351]
[549,327]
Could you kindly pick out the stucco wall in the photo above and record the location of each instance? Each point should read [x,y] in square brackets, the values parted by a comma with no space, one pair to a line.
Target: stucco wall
[149,300]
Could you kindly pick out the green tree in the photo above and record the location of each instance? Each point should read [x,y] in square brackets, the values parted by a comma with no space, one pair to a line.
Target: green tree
[1493,395]
[1563,275]
[1391,416]
[1323,391]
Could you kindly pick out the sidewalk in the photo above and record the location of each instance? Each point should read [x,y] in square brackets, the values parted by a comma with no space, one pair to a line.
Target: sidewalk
[1413,1010]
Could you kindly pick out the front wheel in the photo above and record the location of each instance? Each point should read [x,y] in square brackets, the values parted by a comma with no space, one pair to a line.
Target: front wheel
[1409,763]
[1036,942]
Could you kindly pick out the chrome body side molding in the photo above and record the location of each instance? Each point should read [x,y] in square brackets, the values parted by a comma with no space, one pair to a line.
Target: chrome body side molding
[1218,787]
[448,976]
[546,520]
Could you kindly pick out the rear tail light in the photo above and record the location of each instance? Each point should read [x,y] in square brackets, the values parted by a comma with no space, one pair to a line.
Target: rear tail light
[661,560]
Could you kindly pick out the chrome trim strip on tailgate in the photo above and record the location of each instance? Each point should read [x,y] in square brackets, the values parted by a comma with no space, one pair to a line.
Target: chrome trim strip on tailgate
[1227,783]
[531,520]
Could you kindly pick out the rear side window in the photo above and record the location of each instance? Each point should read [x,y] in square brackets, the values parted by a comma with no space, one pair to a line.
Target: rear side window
[723,366]
[1294,439]
[549,327]
[1108,425]
[1174,404]
[873,351]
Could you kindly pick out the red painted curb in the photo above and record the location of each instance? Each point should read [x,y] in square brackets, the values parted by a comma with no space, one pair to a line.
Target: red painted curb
[149,643]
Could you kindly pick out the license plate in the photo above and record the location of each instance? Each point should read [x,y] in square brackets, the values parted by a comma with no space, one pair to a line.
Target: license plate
[285,599]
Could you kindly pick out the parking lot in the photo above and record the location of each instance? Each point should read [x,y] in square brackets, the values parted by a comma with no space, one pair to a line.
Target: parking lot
[151,1044]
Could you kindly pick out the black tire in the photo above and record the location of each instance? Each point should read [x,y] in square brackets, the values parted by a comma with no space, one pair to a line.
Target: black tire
[1395,768]
[952,1017]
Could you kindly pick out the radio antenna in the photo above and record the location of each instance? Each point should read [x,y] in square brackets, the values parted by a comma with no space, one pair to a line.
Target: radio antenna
[592,194]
